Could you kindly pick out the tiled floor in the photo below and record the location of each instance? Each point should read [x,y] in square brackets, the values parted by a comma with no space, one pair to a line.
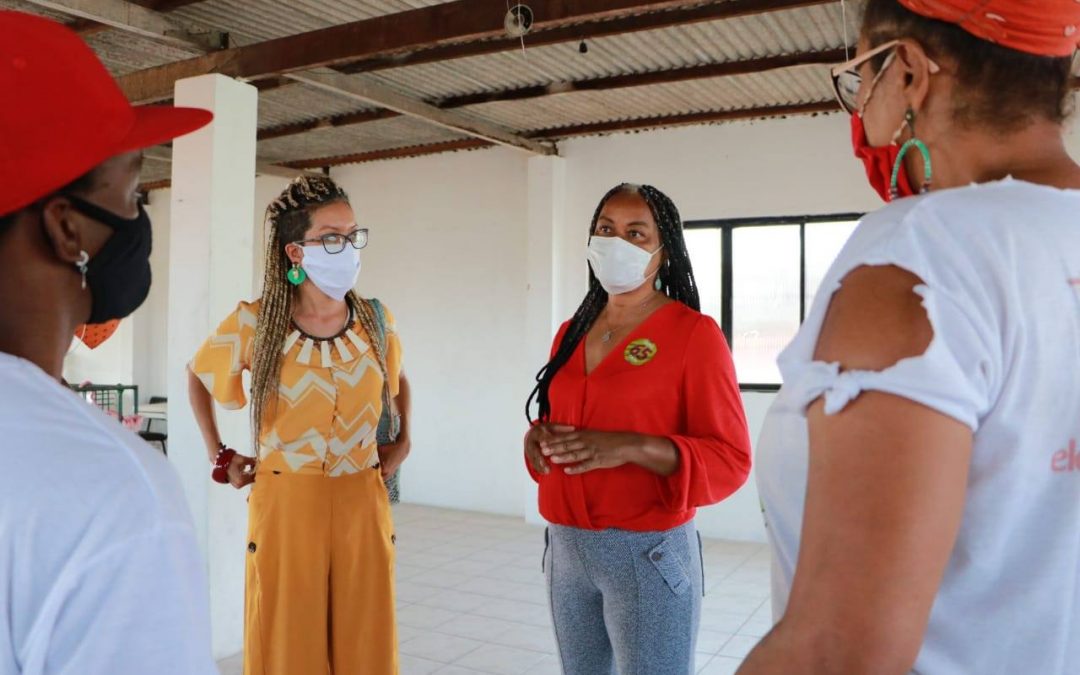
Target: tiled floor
[472,601]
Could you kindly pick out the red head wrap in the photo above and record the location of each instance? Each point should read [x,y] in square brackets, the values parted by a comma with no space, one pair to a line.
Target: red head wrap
[1040,27]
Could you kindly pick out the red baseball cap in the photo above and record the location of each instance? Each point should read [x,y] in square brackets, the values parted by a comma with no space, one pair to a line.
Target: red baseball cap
[64,114]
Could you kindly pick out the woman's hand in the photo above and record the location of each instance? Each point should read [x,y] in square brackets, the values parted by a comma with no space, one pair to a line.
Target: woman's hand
[241,471]
[392,456]
[582,451]
[537,435]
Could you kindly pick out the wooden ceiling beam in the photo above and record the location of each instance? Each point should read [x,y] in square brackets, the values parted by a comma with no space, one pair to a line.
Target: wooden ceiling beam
[325,123]
[726,69]
[373,93]
[664,121]
[577,130]
[633,23]
[395,36]
[393,153]
[263,167]
[709,70]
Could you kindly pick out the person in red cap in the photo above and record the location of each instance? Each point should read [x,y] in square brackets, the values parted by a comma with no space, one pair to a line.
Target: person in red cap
[919,469]
[99,567]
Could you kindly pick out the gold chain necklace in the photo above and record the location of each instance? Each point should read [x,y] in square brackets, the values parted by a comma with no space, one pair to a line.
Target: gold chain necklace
[607,335]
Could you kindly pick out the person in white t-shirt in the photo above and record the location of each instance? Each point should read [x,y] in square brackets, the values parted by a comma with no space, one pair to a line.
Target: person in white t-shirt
[919,468]
[99,568]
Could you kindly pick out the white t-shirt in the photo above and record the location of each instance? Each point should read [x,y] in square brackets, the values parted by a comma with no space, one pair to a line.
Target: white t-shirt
[99,569]
[1001,266]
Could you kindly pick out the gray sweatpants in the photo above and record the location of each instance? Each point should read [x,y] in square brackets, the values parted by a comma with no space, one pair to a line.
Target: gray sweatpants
[625,603]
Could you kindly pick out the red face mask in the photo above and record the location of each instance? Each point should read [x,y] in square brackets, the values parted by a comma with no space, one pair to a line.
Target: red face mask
[879,162]
[93,335]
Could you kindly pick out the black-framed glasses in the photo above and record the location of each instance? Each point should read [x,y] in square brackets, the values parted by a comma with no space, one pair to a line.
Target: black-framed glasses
[335,243]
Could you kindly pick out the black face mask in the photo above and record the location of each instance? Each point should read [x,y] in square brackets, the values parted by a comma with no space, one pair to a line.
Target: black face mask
[119,275]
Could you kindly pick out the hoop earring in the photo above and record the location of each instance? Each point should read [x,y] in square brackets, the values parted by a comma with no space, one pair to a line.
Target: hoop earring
[81,265]
[928,170]
[296,275]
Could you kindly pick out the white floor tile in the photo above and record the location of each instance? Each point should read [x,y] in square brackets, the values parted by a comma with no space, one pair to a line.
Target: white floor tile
[513,610]
[481,628]
[739,646]
[406,633]
[532,638]
[721,665]
[419,616]
[548,666]
[410,665]
[711,641]
[414,592]
[756,628]
[501,660]
[232,666]
[722,622]
[440,647]
[455,601]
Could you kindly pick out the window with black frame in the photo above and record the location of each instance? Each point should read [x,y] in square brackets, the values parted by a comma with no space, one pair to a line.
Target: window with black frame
[758,277]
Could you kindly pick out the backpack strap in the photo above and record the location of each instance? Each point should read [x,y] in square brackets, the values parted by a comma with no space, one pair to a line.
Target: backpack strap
[380,319]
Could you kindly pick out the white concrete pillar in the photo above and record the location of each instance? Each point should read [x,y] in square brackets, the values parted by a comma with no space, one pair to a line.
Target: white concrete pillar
[546,208]
[211,258]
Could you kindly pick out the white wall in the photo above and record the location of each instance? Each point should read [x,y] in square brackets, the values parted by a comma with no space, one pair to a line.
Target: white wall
[448,257]
[111,363]
[151,321]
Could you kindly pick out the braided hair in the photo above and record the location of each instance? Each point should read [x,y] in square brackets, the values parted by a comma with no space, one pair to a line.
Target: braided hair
[288,219]
[676,280]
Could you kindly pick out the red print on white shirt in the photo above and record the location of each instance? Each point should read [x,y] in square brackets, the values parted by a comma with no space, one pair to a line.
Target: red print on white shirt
[1067,460]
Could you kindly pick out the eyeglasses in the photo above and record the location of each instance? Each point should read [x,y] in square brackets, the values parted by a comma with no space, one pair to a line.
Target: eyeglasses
[847,81]
[846,78]
[335,243]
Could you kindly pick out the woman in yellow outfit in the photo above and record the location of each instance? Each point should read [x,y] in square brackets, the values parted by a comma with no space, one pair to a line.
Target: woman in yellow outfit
[324,363]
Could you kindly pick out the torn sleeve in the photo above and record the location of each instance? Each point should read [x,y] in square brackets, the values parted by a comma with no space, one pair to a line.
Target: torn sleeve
[957,375]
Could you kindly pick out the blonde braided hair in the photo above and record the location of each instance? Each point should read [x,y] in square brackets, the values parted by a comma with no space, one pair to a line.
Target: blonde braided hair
[288,218]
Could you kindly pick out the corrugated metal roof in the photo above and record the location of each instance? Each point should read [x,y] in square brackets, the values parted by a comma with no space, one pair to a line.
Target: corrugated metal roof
[802,30]
[360,138]
[259,20]
[154,170]
[808,84]
[786,32]
[300,103]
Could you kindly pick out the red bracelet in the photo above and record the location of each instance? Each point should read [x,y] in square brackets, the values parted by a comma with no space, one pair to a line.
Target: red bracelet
[225,455]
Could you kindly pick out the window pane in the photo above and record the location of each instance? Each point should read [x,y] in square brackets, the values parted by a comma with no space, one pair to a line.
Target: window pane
[707,256]
[823,244]
[765,284]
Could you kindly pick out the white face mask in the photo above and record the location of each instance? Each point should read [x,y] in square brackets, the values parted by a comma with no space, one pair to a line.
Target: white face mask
[332,273]
[619,265]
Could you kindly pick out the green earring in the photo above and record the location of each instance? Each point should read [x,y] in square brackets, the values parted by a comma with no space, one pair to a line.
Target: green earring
[928,170]
[296,275]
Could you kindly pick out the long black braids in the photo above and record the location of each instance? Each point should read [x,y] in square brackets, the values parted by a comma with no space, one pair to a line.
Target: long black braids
[676,278]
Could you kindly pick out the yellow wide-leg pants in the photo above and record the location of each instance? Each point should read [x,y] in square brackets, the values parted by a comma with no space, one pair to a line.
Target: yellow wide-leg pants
[320,576]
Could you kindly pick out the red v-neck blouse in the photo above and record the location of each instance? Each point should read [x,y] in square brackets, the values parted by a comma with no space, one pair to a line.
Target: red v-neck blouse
[673,377]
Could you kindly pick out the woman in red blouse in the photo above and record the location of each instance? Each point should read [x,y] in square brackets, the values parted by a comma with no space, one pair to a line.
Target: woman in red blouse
[640,422]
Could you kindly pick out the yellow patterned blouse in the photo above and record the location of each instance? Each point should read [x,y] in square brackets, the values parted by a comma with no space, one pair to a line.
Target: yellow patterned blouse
[329,401]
